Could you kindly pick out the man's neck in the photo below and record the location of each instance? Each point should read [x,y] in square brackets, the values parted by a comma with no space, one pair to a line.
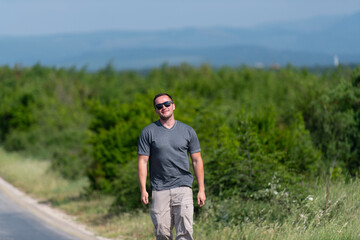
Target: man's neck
[168,123]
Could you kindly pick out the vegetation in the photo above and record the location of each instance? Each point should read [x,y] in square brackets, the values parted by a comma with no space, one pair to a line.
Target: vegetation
[267,135]
[279,217]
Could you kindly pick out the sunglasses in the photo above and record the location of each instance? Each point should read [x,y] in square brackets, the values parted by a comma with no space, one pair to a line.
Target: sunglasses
[160,105]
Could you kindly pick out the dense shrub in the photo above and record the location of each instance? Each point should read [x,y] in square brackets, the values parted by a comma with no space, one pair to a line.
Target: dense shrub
[115,131]
[242,157]
[333,120]
[253,124]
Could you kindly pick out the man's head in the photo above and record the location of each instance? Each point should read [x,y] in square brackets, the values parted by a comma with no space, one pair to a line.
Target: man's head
[164,106]
[161,94]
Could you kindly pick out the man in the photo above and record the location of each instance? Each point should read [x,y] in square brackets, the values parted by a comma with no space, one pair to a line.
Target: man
[166,144]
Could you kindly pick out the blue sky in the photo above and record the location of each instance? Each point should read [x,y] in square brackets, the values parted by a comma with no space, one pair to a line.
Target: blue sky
[41,17]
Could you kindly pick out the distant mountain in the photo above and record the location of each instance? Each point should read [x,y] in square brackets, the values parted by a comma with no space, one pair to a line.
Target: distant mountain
[216,56]
[303,43]
[332,35]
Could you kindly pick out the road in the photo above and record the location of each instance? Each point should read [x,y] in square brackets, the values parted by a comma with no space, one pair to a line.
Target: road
[22,219]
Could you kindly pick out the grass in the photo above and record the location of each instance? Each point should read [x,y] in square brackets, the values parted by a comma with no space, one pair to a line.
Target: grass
[306,220]
[36,179]
[279,218]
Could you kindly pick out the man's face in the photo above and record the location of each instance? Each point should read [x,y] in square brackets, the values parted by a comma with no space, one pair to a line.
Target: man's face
[165,112]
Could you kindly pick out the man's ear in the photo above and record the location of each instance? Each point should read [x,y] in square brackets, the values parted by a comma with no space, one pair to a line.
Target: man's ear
[174,105]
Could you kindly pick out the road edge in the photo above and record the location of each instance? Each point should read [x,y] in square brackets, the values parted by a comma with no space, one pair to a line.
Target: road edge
[47,214]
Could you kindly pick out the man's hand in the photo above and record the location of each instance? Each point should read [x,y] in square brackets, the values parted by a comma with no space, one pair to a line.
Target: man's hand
[144,197]
[201,198]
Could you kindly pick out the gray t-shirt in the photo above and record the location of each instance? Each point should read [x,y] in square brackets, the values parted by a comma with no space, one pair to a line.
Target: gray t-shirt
[168,151]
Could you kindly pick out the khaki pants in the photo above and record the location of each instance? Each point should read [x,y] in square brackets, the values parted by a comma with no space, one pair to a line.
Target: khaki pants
[173,207]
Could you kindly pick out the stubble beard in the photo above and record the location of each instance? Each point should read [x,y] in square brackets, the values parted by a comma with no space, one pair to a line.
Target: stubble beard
[165,118]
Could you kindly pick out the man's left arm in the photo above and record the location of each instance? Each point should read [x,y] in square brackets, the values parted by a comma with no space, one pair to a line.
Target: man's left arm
[199,173]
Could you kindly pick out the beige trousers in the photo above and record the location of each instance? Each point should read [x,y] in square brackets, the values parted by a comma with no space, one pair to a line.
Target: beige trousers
[173,207]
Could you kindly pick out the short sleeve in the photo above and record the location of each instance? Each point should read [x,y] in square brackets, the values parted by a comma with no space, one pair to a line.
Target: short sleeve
[144,144]
[194,145]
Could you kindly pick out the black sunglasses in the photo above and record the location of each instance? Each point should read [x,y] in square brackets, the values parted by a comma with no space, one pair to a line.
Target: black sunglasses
[160,105]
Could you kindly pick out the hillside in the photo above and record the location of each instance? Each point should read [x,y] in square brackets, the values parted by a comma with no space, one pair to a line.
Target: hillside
[302,43]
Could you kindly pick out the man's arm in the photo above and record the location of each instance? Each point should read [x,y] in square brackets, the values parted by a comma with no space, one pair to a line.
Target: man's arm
[199,173]
[142,174]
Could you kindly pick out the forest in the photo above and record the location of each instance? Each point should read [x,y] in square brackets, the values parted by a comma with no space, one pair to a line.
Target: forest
[263,132]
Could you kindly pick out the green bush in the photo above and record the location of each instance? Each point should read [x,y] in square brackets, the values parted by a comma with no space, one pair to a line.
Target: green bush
[16,114]
[253,124]
[114,138]
[333,120]
[245,155]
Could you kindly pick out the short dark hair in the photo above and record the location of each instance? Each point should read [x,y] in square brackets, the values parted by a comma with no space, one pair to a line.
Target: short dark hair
[161,94]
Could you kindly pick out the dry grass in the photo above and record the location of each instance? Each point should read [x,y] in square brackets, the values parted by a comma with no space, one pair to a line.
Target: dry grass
[34,177]
[310,220]
[341,220]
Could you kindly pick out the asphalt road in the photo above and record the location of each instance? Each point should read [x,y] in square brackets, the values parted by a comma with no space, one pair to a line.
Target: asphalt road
[18,224]
[21,219]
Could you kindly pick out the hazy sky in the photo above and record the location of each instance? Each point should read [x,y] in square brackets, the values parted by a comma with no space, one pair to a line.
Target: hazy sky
[33,17]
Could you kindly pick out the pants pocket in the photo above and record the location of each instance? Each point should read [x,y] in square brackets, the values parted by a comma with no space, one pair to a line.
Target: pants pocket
[162,223]
[184,221]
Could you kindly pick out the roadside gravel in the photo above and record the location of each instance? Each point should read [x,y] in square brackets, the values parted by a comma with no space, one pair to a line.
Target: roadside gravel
[47,214]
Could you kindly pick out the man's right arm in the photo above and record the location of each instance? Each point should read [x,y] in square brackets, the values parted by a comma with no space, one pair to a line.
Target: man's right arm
[142,174]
